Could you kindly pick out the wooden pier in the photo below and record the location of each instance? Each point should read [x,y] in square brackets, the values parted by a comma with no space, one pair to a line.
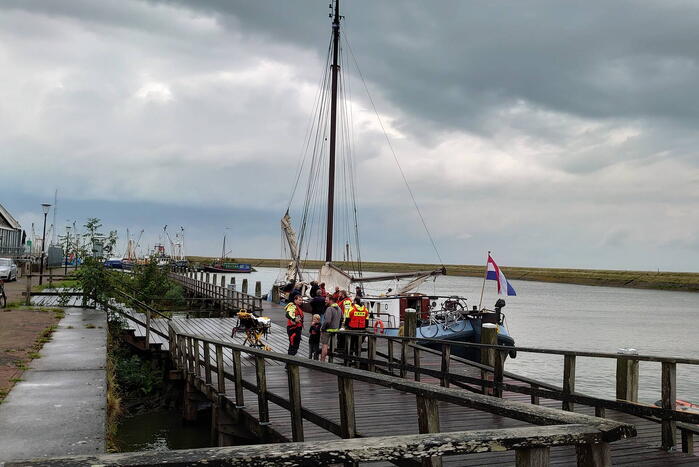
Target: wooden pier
[455,411]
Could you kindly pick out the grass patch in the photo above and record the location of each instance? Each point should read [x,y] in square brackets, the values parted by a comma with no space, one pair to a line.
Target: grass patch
[21,365]
[90,326]
[16,380]
[69,327]
[64,284]
[34,355]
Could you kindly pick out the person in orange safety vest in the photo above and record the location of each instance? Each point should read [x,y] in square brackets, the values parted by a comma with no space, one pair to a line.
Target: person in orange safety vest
[357,321]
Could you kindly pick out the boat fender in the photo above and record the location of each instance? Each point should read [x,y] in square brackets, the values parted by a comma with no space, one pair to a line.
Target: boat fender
[379,325]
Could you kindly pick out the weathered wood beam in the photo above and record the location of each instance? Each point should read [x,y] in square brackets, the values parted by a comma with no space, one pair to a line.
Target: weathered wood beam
[383,448]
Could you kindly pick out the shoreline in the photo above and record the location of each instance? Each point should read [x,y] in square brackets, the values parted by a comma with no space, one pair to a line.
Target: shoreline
[655,280]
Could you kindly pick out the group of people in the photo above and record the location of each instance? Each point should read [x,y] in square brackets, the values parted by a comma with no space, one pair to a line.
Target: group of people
[330,313]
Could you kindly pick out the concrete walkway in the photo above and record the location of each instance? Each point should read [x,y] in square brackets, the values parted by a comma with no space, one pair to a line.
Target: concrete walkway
[59,408]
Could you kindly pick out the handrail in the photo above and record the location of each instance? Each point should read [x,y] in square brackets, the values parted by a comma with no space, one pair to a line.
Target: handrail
[667,413]
[134,319]
[611,430]
[577,353]
[143,305]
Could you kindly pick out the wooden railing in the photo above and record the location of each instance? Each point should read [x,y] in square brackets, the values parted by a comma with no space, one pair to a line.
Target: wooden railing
[201,357]
[492,378]
[225,298]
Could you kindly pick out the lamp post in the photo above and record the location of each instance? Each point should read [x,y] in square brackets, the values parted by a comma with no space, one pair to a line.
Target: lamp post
[65,261]
[45,207]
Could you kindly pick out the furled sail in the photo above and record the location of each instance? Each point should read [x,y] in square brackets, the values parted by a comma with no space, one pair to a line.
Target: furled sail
[293,270]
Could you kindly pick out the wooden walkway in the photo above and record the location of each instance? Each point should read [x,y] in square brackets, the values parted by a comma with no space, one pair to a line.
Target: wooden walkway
[381,410]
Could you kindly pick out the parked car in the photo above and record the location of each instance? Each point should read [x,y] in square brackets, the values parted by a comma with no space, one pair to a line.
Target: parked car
[8,269]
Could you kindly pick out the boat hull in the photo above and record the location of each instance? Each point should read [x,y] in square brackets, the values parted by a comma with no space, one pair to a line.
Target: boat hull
[467,332]
[245,268]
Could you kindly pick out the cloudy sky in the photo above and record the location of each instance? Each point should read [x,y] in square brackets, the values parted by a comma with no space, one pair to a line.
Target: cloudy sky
[557,134]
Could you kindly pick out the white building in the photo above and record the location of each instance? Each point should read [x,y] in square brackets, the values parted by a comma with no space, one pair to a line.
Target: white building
[11,241]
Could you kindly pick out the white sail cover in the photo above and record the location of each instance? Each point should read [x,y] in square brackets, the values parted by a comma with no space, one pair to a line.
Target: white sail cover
[293,271]
[334,277]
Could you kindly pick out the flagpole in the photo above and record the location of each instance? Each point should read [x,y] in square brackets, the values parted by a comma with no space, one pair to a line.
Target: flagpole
[484,278]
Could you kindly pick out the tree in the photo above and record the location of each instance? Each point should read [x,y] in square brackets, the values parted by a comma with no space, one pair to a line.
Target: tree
[111,242]
[93,225]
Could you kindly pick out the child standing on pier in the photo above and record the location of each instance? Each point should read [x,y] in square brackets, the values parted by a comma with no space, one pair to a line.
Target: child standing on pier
[314,338]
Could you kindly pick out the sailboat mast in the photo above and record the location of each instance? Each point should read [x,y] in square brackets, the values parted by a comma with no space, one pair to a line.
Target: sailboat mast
[223,250]
[333,131]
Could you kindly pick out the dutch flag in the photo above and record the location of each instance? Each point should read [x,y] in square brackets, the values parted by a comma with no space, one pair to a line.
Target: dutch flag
[495,273]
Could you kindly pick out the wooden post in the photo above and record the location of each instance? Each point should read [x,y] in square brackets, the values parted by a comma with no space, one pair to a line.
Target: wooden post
[28,290]
[498,372]
[669,401]
[258,289]
[446,360]
[275,293]
[222,294]
[428,422]
[568,380]
[416,358]
[593,455]
[207,363]
[295,402]
[410,323]
[238,374]
[197,364]
[533,457]
[221,378]
[346,359]
[50,278]
[403,357]
[687,441]
[190,358]
[390,356]
[600,412]
[489,336]
[627,379]
[371,353]
[409,330]
[534,397]
[348,427]
[244,289]
[262,403]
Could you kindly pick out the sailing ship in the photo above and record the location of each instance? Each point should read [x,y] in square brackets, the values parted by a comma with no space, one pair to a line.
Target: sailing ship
[223,266]
[439,317]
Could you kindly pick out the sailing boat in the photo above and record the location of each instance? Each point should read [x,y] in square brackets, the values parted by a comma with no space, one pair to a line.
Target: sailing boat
[442,317]
[223,266]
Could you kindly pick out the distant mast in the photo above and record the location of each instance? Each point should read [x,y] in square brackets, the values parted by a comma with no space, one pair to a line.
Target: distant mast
[333,130]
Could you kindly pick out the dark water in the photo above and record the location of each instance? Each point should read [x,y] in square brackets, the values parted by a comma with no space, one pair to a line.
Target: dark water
[161,431]
[577,317]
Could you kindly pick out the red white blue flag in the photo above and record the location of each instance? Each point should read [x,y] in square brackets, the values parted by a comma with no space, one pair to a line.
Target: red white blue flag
[495,273]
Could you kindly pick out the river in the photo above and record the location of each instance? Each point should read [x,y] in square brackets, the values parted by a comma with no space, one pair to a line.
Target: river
[579,317]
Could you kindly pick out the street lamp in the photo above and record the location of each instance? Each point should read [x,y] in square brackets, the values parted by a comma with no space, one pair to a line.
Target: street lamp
[45,207]
[65,261]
